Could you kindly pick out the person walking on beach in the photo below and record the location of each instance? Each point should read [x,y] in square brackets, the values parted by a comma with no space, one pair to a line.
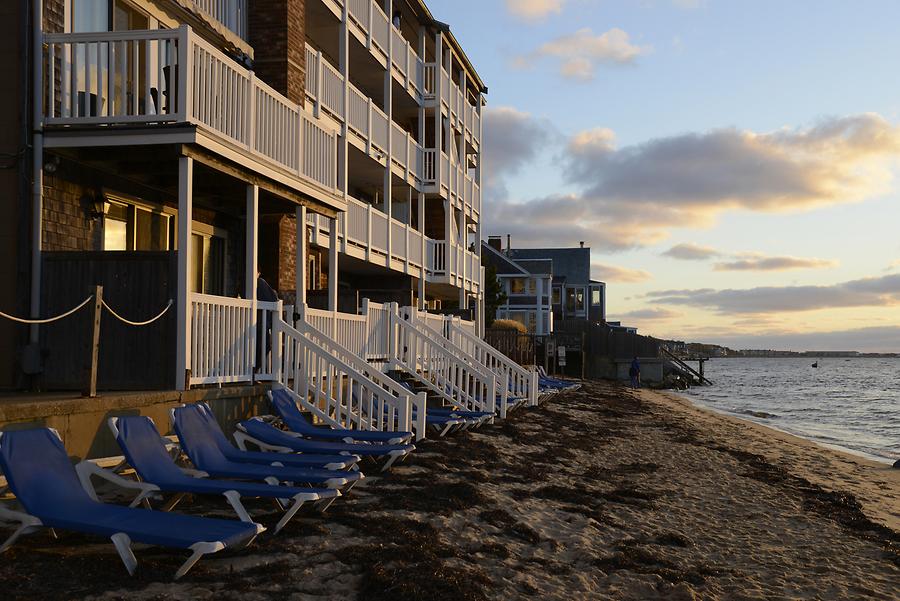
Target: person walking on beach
[634,372]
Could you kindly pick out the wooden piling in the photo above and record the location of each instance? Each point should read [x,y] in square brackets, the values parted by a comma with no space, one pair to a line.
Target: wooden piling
[92,357]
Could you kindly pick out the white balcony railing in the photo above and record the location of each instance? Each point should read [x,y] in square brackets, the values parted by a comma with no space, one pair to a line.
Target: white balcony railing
[230,13]
[325,87]
[172,75]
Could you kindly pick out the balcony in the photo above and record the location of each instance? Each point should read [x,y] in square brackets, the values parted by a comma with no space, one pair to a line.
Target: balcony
[382,38]
[368,234]
[463,115]
[230,13]
[455,183]
[325,88]
[160,79]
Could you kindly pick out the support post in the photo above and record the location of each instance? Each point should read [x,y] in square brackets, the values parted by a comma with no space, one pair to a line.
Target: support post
[333,266]
[389,111]
[37,203]
[185,216]
[252,266]
[92,358]
[300,275]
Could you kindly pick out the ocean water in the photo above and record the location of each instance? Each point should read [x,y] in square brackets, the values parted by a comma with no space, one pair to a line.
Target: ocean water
[851,404]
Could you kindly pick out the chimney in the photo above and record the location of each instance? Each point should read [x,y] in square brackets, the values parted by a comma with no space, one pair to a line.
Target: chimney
[582,243]
[508,242]
[496,242]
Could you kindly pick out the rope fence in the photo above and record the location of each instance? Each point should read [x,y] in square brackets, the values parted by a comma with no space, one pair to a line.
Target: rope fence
[139,323]
[49,319]
[82,304]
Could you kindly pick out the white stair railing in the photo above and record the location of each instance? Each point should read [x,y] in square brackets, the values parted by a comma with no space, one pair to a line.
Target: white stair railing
[418,402]
[522,382]
[331,389]
[436,327]
[422,351]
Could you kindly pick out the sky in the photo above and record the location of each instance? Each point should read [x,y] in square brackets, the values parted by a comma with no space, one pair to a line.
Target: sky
[733,164]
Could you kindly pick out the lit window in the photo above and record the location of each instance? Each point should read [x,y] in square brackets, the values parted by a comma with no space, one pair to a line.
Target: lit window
[517,286]
[595,296]
[129,227]
[575,300]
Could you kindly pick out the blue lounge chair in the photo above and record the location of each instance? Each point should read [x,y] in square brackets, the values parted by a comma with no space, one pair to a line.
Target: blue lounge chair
[287,410]
[330,461]
[269,438]
[40,474]
[441,422]
[209,450]
[146,453]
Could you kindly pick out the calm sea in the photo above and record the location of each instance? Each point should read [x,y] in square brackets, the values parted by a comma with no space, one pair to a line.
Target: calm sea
[852,404]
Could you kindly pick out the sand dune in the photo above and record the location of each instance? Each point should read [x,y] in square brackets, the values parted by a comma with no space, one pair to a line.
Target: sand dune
[602,494]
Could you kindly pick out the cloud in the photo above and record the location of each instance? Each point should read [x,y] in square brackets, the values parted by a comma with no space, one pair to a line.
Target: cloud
[866,292]
[763,263]
[649,314]
[688,4]
[689,251]
[633,196]
[512,139]
[534,10]
[613,273]
[580,53]
[893,265]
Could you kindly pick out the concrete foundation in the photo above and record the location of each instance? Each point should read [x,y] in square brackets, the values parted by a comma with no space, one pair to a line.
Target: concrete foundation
[81,422]
[651,369]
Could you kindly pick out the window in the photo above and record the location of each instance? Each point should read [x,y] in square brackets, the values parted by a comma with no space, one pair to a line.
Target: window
[132,227]
[557,295]
[90,15]
[574,300]
[517,286]
[595,297]
[207,260]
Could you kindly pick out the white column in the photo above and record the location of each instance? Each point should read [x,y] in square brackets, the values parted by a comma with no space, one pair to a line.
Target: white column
[438,83]
[300,276]
[333,267]
[252,238]
[183,326]
[389,111]
[539,322]
[344,65]
[424,243]
[252,259]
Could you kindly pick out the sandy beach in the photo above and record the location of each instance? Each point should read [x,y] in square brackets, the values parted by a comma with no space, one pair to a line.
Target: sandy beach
[600,494]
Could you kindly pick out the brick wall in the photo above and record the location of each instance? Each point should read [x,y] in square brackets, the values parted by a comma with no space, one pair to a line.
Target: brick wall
[278,37]
[66,225]
[54,16]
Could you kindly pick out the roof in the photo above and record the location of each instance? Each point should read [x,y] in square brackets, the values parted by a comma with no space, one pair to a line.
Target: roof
[537,266]
[419,7]
[499,261]
[572,264]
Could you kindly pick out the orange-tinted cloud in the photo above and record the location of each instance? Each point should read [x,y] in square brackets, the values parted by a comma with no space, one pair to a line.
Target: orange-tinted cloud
[622,275]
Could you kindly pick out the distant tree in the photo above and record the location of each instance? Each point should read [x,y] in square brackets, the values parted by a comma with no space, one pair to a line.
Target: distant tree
[494,296]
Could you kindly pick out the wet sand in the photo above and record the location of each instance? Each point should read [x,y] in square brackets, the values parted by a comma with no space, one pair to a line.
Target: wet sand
[601,494]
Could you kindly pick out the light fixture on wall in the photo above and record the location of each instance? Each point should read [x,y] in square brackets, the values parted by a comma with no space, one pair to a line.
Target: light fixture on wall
[51,164]
[94,204]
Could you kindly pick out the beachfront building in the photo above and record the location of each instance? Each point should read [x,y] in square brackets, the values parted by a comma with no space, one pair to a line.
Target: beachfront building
[526,283]
[173,149]
[572,292]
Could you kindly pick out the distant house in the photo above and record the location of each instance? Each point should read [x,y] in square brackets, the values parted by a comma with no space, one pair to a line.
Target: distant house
[527,285]
[573,294]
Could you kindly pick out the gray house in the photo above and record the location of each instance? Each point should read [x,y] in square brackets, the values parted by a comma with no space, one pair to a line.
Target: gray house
[572,294]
